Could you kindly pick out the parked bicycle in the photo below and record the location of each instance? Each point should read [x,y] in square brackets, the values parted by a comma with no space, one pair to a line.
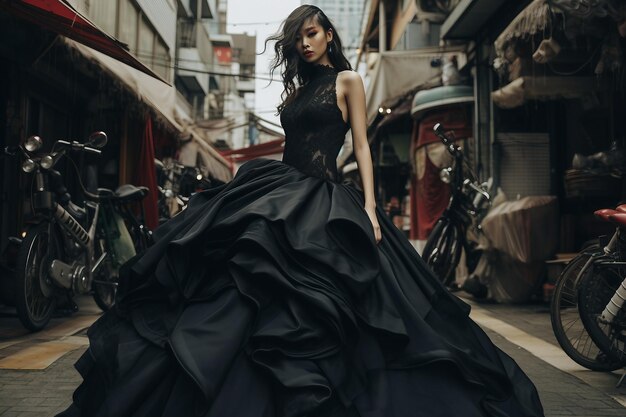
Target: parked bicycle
[602,294]
[587,310]
[176,183]
[71,249]
[468,204]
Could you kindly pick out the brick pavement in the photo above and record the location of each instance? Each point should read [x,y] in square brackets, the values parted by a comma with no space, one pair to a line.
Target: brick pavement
[39,393]
[561,394]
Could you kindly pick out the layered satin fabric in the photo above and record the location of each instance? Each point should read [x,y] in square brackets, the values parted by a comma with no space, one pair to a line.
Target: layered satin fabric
[269,297]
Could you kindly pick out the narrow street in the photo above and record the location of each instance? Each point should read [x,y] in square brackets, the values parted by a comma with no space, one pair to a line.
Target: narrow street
[37,377]
[490,134]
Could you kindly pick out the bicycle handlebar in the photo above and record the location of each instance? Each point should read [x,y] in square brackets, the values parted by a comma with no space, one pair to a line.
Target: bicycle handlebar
[77,146]
[452,148]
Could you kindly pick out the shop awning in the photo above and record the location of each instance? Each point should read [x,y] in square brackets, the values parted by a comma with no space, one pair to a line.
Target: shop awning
[158,96]
[399,71]
[274,147]
[522,89]
[60,17]
[468,18]
[440,96]
[214,164]
[535,18]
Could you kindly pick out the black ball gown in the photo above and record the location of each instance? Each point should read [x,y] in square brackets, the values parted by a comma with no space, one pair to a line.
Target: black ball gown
[268,296]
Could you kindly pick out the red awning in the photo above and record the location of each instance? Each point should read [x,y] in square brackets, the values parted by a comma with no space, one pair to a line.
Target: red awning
[274,147]
[60,17]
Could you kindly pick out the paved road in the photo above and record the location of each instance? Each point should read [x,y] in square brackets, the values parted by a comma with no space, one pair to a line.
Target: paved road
[37,376]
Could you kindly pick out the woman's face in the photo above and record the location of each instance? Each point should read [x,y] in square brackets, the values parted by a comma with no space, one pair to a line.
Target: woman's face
[312,42]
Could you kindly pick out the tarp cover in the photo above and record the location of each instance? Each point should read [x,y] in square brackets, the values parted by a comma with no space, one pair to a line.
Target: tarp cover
[527,230]
[521,236]
[509,280]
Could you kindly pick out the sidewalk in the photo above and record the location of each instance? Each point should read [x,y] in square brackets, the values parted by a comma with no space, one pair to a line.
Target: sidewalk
[39,393]
[566,389]
[523,332]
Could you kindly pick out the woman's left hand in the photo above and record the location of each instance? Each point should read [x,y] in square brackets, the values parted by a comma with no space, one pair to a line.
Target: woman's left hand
[371,213]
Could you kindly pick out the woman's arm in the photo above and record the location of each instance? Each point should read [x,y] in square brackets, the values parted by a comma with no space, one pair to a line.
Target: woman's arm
[354,94]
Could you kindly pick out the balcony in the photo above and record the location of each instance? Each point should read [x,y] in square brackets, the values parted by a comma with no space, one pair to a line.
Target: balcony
[195,56]
[194,76]
[192,34]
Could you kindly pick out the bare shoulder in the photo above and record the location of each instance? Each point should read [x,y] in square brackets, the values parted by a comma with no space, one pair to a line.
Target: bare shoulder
[349,77]
[349,80]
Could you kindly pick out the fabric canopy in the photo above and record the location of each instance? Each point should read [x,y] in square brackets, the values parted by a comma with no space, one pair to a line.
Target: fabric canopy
[60,17]
[158,96]
[274,147]
[518,91]
[213,163]
[161,97]
[398,71]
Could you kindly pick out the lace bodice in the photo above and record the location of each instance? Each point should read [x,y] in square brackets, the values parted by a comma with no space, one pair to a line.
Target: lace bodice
[314,126]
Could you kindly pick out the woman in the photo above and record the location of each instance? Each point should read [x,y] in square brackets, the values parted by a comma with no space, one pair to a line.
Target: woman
[284,293]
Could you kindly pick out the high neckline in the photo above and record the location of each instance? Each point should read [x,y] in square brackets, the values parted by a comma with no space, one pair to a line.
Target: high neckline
[322,70]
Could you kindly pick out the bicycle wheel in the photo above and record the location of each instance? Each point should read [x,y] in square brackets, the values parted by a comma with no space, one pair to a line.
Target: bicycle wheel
[35,297]
[597,285]
[567,325]
[443,250]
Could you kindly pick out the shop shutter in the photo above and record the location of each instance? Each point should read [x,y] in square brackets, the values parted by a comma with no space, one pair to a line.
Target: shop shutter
[524,163]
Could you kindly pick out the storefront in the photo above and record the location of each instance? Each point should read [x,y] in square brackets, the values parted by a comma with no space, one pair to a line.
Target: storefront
[558,97]
[450,106]
[548,78]
[395,79]
[57,88]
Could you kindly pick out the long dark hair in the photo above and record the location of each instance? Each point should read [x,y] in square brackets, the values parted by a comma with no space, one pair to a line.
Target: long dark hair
[286,54]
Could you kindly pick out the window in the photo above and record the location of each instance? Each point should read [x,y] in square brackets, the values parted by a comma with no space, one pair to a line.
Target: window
[104,14]
[161,59]
[128,17]
[123,20]
[145,51]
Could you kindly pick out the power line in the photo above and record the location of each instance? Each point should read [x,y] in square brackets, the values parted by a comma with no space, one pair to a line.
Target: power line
[164,63]
[338,15]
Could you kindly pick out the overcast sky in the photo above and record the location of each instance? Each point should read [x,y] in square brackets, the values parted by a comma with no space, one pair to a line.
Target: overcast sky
[261,18]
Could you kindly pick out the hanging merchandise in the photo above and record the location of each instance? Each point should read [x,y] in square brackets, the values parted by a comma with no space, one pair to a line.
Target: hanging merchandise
[590,8]
[547,50]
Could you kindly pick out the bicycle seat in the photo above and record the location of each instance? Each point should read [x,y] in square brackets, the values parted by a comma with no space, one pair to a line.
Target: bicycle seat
[101,195]
[604,214]
[129,192]
[619,218]
[105,193]
[621,208]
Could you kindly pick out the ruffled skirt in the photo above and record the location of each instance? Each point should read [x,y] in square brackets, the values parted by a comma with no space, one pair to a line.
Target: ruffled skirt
[268,296]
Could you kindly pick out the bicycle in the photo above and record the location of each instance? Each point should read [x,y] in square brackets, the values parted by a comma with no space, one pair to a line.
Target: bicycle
[602,293]
[468,204]
[69,249]
[570,308]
